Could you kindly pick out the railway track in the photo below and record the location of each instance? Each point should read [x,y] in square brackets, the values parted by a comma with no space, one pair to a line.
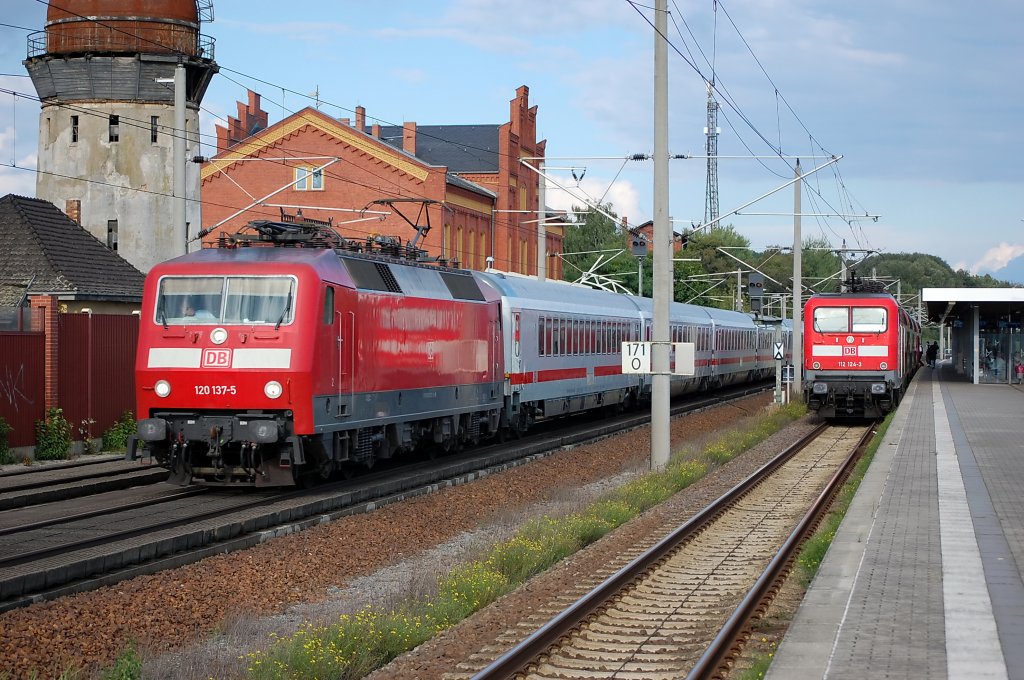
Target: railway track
[60,482]
[683,607]
[76,551]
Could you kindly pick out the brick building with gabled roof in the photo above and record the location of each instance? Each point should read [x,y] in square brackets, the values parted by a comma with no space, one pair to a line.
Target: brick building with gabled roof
[478,199]
[48,253]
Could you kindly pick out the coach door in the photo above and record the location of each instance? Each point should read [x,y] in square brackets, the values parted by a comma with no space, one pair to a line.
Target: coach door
[516,352]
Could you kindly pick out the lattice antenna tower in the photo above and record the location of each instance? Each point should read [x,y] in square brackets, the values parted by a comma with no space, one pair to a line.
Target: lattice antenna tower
[711,132]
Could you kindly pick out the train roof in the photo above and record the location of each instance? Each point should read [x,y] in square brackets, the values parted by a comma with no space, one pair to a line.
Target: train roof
[316,257]
[353,270]
[559,296]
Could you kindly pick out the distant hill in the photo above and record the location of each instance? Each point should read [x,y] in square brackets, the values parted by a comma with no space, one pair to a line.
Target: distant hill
[917,270]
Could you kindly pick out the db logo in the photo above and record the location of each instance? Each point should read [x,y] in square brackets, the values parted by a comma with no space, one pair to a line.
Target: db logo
[215,357]
[850,350]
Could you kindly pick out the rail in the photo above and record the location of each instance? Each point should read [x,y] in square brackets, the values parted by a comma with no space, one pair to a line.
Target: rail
[526,652]
[714,662]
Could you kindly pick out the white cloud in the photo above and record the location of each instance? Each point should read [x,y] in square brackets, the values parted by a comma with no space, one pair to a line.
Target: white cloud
[996,258]
[623,196]
[20,179]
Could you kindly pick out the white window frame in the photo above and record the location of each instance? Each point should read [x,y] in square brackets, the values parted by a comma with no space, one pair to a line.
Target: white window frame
[308,179]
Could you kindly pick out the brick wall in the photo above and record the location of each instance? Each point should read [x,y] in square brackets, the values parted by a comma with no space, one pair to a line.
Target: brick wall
[369,170]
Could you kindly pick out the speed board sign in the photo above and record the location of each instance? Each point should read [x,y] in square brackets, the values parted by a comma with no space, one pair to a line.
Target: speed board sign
[636,357]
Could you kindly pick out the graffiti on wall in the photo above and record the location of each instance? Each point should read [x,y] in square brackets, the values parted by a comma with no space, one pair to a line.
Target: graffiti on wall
[12,387]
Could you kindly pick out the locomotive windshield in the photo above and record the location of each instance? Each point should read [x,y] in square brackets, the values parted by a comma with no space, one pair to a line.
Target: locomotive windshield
[846,319]
[869,319]
[250,300]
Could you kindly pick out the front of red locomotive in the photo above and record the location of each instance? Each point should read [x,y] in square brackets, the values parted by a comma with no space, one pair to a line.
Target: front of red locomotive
[855,349]
[224,367]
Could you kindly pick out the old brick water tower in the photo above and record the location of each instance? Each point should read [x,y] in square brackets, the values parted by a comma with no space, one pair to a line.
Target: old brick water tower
[107,72]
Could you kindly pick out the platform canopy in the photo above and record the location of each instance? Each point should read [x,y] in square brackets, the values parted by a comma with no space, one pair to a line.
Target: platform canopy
[945,305]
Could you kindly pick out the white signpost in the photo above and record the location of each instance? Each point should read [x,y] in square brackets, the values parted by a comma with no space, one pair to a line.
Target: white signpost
[636,357]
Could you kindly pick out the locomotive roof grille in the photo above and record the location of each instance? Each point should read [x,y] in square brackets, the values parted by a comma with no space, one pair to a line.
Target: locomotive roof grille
[372,275]
[388,277]
[462,286]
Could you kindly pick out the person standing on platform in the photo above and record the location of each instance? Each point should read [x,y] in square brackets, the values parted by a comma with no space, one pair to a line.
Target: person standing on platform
[932,353]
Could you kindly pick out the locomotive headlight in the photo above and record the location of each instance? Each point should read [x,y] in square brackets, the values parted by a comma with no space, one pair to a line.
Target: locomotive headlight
[816,365]
[162,388]
[877,388]
[218,336]
[272,389]
[883,365]
[820,388]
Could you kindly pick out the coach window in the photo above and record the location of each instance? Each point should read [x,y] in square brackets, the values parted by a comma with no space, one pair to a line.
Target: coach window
[869,320]
[832,319]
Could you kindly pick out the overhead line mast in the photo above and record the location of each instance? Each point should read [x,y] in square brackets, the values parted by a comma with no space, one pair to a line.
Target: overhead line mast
[711,131]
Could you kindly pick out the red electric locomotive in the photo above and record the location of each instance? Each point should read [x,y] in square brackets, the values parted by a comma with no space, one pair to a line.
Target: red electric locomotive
[861,348]
[259,365]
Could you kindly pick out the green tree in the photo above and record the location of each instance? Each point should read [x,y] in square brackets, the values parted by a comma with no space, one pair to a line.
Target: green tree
[597,237]
[692,283]
[710,280]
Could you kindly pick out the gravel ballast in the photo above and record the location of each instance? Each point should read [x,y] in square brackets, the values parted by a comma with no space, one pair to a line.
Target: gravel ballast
[197,621]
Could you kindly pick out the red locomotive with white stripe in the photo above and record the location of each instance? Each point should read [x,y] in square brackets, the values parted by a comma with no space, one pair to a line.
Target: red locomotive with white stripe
[263,365]
[293,354]
[861,348]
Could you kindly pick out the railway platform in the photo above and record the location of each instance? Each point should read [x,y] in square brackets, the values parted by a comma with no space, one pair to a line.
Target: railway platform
[924,577]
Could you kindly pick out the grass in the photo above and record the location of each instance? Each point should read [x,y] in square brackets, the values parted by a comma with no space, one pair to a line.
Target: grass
[759,665]
[357,644]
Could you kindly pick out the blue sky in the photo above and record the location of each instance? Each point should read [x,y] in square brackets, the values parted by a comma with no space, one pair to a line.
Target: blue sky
[923,99]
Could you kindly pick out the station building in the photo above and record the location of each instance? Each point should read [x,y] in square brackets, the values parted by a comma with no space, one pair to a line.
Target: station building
[468,183]
[980,331]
